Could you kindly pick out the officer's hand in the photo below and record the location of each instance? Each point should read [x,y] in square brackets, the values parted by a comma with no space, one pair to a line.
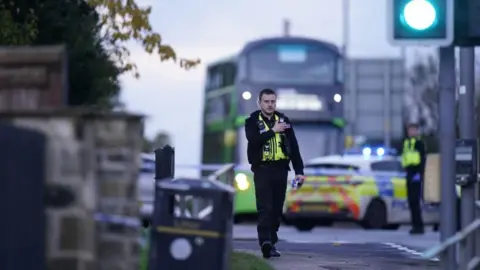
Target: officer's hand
[279,127]
[301,179]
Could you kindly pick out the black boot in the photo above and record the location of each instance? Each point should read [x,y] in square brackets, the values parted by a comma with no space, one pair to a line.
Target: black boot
[417,231]
[267,249]
[275,252]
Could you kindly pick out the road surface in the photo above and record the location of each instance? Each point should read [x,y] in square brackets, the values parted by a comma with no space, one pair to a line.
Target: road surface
[344,248]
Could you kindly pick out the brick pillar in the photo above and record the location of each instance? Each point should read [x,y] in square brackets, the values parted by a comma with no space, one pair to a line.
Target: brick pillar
[95,156]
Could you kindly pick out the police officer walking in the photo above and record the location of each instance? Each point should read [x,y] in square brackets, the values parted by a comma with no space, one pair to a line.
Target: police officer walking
[413,161]
[271,146]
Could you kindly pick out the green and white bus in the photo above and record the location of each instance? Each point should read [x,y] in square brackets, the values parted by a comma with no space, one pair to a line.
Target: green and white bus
[307,76]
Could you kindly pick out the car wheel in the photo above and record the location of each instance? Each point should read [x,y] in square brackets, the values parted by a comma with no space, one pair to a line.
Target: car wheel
[325,222]
[304,225]
[376,215]
[238,218]
[286,221]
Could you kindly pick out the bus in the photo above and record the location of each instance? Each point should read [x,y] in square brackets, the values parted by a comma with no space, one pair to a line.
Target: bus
[307,75]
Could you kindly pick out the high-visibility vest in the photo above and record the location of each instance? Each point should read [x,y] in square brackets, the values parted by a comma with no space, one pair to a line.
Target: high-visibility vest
[272,149]
[410,156]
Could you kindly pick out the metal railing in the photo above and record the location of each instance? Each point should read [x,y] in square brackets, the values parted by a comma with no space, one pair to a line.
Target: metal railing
[459,238]
[200,208]
[227,170]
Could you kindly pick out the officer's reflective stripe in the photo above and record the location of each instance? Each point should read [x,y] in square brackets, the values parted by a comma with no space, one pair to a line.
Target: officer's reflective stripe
[410,155]
[275,150]
[191,232]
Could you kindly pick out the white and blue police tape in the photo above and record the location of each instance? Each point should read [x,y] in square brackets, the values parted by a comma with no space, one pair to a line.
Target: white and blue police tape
[148,164]
[133,222]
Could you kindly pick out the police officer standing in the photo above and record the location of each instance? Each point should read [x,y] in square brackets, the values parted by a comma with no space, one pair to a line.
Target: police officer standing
[271,146]
[413,161]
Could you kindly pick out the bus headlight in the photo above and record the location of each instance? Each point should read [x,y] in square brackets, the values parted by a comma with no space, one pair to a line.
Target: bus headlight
[246,95]
[242,182]
[337,98]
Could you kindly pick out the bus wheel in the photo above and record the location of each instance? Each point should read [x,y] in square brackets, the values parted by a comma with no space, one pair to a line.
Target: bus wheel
[304,225]
[376,215]
[237,219]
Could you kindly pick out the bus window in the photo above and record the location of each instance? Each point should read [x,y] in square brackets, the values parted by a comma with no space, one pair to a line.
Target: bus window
[340,71]
[229,72]
[242,69]
[316,140]
[271,64]
[220,76]
[214,79]
[216,109]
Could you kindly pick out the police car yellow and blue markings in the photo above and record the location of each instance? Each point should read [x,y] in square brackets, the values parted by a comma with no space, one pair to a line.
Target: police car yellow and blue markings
[397,192]
[346,191]
[333,193]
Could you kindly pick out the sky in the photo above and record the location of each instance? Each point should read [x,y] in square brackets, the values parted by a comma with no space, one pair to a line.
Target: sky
[171,98]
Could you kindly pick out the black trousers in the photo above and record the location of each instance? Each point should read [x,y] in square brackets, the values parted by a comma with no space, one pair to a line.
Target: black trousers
[414,195]
[270,188]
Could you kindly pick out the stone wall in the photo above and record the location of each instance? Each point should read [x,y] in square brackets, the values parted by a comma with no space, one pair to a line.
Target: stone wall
[95,156]
[33,77]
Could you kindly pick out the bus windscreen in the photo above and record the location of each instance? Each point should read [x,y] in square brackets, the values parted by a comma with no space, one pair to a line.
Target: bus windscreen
[292,64]
[316,140]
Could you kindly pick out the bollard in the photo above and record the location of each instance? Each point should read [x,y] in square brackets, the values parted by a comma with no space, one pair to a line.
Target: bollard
[182,239]
[164,162]
[164,171]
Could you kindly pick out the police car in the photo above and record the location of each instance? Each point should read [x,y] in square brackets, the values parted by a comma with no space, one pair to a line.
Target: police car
[362,185]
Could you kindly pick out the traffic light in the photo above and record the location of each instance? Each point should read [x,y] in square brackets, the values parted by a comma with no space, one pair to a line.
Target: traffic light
[420,22]
[467,23]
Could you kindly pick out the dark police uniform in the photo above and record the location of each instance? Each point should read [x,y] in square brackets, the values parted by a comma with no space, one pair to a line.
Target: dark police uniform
[269,154]
[413,161]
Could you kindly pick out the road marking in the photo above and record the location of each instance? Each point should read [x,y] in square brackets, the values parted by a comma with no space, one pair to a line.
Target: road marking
[407,250]
[339,242]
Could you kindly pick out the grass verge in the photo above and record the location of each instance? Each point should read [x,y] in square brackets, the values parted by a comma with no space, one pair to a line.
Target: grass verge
[239,261]
[246,261]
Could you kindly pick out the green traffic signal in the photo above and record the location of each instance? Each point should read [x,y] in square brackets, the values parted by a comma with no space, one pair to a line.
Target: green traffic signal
[419,14]
[421,22]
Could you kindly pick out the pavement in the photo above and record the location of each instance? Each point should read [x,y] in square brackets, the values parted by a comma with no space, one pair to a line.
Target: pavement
[343,247]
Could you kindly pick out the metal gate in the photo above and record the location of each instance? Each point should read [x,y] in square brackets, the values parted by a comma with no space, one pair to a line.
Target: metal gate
[22,216]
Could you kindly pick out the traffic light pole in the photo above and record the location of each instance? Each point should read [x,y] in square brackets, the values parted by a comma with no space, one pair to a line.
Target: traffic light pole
[466,103]
[447,104]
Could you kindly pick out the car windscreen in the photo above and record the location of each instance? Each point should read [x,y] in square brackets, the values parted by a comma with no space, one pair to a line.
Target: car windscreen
[330,167]
[393,166]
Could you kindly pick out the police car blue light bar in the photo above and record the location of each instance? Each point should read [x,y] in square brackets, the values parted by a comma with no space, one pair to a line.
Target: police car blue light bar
[371,151]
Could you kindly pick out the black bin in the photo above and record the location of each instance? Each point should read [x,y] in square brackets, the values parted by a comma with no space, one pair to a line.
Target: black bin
[192,225]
